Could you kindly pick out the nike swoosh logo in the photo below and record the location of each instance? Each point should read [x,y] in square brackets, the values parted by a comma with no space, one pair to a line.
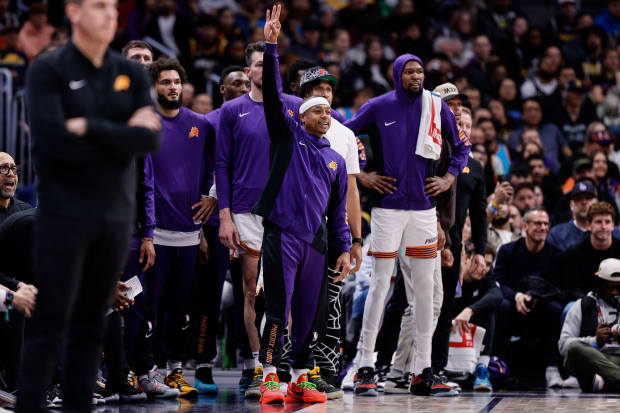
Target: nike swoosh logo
[389,123]
[303,144]
[77,84]
[244,114]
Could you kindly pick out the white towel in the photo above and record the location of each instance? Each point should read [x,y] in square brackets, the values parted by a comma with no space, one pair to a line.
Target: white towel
[429,134]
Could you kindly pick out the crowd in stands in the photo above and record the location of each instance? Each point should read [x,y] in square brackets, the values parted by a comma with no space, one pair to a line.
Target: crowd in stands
[542,103]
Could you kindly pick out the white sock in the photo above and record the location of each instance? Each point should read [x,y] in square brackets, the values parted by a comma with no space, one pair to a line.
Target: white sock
[249,364]
[395,373]
[204,366]
[484,360]
[255,356]
[173,364]
[297,373]
[267,370]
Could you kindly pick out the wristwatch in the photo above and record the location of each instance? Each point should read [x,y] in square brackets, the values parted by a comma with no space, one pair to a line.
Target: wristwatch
[358,240]
[8,300]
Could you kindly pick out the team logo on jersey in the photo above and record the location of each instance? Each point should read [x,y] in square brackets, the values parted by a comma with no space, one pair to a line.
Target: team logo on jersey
[194,132]
[121,82]
[332,165]
[290,113]
[466,170]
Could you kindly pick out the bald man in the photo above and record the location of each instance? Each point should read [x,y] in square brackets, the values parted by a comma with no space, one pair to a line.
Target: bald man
[9,179]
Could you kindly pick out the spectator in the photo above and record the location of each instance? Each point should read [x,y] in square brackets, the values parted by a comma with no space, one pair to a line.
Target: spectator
[595,41]
[609,20]
[359,18]
[11,57]
[172,29]
[36,33]
[541,177]
[605,183]
[524,197]
[480,298]
[539,197]
[520,174]
[589,337]
[202,103]
[577,114]
[361,97]
[516,221]
[477,70]
[544,82]
[7,18]
[563,24]
[495,20]
[500,158]
[187,94]
[473,95]
[553,141]
[310,48]
[206,54]
[519,266]
[9,179]
[507,93]
[582,259]
[566,234]
[505,125]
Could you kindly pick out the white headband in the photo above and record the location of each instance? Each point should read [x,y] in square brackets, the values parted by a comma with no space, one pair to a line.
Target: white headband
[317,100]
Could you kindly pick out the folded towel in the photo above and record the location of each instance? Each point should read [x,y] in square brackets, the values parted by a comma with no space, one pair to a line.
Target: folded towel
[429,134]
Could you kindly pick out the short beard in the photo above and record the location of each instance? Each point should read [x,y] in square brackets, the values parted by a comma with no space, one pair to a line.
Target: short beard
[4,194]
[169,104]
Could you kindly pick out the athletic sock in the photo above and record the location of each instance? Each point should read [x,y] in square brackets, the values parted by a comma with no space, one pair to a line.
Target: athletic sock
[268,369]
[173,365]
[297,373]
[484,360]
[249,364]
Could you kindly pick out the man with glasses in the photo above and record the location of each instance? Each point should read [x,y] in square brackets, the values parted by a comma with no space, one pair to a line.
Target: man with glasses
[526,265]
[9,178]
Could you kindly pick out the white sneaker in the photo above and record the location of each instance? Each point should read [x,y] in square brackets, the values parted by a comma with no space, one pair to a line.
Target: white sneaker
[554,380]
[570,383]
[347,382]
[153,385]
[598,384]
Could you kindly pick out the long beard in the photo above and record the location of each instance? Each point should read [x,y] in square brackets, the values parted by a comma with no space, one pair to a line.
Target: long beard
[169,104]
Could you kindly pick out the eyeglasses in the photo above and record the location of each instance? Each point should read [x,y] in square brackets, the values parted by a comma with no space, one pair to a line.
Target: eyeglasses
[5,169]
[539,223]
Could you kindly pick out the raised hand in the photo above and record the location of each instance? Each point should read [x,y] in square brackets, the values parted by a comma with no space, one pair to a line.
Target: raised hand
[272,24]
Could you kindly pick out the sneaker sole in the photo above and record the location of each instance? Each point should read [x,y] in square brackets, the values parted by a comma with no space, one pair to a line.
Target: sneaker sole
[252,394]
[273,400]
[451,393]
[367,393]
[134,398]
[335,395]
[189,393]
[170,394]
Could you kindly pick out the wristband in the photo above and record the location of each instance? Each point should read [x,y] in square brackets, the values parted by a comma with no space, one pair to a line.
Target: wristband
[358,240]
[8,300]
[493,210]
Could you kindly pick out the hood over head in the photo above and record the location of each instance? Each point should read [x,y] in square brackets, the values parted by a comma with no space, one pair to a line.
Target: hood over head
[397,71]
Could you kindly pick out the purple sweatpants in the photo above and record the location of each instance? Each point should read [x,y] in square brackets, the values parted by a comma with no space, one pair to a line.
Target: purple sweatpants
[293,274]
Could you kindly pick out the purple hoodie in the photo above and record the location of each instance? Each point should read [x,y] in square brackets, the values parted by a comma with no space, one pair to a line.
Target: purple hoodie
[307,179]
[396,116]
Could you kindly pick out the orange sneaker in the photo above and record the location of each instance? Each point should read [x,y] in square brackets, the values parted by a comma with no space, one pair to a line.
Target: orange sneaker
[304,392]
[270,392]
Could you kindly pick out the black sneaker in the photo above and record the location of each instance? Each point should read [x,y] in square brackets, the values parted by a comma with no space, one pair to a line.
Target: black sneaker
[443,379]
[102,390]
[314,376]
[245,380]
[366,385]
[381,373]
[427,384]
[395,385]
[128,393]
[53,397]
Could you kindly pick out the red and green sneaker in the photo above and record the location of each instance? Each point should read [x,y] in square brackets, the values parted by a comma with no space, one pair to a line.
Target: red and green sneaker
[304,392]
[270,392]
